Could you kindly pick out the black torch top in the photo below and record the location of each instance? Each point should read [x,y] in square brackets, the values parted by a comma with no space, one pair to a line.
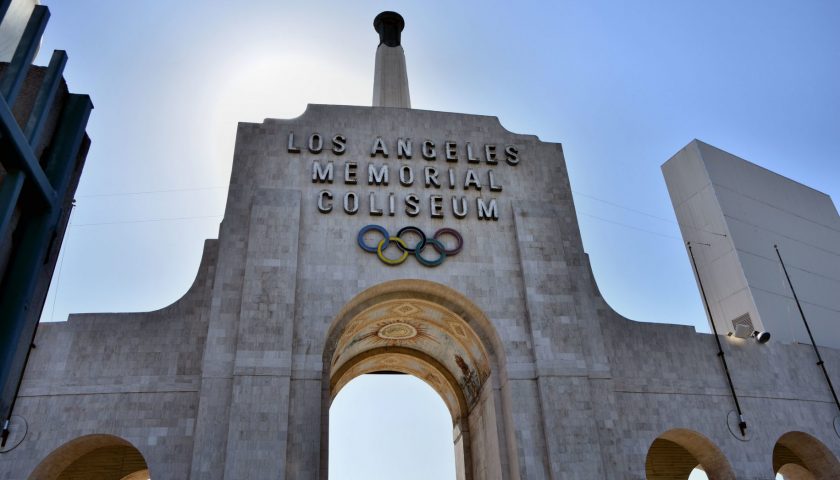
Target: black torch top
[389,25]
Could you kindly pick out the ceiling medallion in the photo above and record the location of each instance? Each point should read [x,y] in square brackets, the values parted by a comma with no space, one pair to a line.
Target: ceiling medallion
[397,331]
[405,309]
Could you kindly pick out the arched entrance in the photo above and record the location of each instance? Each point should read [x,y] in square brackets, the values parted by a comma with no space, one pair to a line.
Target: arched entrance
[429,331]
[799,456]
[381,424]
[675,454]
[104,457]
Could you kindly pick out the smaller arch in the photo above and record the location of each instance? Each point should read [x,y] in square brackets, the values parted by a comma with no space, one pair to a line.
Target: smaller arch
[376,431]
[101,456]
[800,456]
[676,453]
[410,362]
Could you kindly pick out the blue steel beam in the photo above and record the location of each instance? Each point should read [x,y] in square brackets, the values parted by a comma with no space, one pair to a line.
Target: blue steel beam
[44,101]
[10,188]
[22,157]
[61,160]
[18,321]
[12,183]
[15,73]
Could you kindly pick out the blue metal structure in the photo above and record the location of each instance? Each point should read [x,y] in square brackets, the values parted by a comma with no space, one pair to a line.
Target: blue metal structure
[35,196]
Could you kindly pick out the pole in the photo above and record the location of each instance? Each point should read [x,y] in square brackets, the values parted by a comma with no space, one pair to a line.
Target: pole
[808,329]
[742,424]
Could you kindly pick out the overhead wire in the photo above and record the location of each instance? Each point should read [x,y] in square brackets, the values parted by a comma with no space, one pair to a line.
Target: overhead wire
[593,197]
[628,226]
[576,192]
[145,192]
[63,254]
[149,220]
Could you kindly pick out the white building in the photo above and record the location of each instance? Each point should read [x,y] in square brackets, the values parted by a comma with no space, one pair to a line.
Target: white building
[733,213]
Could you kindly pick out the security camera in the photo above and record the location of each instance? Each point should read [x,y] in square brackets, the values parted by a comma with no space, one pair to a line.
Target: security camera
[761,337]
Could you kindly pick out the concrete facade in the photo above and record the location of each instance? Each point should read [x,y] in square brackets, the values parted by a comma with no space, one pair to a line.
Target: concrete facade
[543,379]
[233,380]
[741,211]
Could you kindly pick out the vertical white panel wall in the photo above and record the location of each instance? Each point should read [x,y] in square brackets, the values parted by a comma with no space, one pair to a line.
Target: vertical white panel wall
[11,28]
[715,193]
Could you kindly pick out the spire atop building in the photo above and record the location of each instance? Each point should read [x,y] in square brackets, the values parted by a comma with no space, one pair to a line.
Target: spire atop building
[390,78]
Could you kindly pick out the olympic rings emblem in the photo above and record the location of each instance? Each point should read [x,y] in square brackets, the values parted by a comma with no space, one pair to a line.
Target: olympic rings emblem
[415,249]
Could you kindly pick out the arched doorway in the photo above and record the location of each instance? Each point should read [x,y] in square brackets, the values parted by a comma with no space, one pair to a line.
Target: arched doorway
[799,456]
[681,454]
[386,423]
[103,457]
[427,330]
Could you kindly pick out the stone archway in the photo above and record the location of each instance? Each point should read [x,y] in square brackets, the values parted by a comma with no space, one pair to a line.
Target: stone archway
[103,457]
[676,453]
[429,331]
[799,456]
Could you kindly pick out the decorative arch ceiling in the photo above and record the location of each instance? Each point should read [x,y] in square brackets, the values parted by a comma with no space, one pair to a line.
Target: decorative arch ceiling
[419,338]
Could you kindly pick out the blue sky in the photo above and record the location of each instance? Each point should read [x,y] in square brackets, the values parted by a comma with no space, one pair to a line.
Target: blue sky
[623,85]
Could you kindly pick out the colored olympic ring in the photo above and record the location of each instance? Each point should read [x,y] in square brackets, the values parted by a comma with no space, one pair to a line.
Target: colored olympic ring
[361,237]
[383,244]
[416,249]
[454,233]
[441,254]
[417,246]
